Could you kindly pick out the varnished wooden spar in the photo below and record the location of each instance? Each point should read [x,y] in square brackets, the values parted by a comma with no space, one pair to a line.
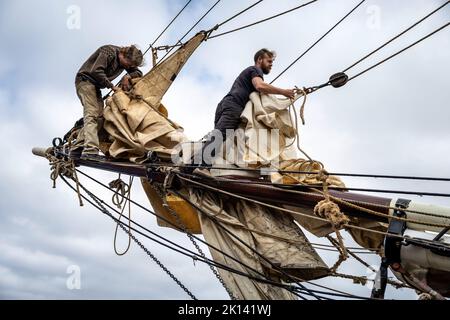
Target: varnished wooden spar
[245,187]
[281,195]
[250,188]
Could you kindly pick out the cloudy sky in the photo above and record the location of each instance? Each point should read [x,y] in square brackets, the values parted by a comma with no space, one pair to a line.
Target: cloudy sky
[391,120]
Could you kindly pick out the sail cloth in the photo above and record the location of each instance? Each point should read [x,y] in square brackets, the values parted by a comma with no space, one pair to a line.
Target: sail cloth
[262,116]
[137,121]
[226,222]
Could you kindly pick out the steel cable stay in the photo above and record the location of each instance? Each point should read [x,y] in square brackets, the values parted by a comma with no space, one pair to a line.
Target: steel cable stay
[124,227]
[197,238]
[317,41]
[230,233]
[278,269]
[262,20]
[197,257]
[295,186]
[130,200]
[342,294]
[396,36]
[400,51]
[168,25]
[269,170]
[189,253]
[179,43]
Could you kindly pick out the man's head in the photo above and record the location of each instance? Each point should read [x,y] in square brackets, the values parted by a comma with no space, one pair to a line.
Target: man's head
[264,59]
[130,57]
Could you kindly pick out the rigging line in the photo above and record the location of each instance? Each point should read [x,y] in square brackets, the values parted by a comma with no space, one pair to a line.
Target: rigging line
[153,257]
[170,23]
[292,211]
[418,193]
[124,203]
[240,240]
[239,13]
[137,204]
[397,36]
[351,248]
[290,189]
[198,257]
[262,20]
[398,52]
[168,221]
[268,170]
[317,41]
[181,39]
[252,249]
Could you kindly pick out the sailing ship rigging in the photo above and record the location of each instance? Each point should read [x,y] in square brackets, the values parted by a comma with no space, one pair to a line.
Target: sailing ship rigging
[251,216]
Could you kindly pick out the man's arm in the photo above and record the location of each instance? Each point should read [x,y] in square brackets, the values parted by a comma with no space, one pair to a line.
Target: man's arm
[266,88]
[134,73]
[131,74]
[98,69]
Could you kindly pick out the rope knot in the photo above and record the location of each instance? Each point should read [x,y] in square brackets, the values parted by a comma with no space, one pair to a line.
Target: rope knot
[329,210]
[121,188]
[323,176]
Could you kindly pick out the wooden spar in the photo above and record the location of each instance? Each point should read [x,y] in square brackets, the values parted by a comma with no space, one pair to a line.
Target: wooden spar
[282,195]
[251,189]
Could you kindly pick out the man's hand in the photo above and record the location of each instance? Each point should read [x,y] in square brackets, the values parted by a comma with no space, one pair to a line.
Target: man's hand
[115,89]
[126,83]
[288,93]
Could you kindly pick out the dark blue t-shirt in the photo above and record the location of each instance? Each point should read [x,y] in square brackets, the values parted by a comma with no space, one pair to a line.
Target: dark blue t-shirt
[243,86]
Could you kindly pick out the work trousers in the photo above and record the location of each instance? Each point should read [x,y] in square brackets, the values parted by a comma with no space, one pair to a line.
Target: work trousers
[91,99]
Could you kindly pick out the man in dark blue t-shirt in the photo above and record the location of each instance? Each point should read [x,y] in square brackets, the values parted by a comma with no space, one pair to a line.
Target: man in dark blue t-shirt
[229,110]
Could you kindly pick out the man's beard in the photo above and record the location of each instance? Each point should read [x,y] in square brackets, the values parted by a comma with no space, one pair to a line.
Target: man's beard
[266,70]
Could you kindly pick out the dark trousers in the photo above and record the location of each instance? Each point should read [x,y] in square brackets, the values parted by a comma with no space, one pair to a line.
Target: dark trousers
[228,116]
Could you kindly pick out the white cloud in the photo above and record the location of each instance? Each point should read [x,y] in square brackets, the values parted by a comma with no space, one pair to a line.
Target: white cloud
[391,120]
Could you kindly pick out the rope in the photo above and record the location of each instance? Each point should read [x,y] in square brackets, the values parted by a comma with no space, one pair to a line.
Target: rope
[397,36]
[60,167]
[124,190]
[151,255]
[307,172]
[287,186]
[263,20]
[189,235]
[317,41]
[330,210]
[400,51]
[363,280]
[287,210]
[168,221]
[175,226]
[194,255]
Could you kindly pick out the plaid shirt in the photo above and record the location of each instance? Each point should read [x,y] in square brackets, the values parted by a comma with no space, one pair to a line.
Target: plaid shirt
[103,66]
